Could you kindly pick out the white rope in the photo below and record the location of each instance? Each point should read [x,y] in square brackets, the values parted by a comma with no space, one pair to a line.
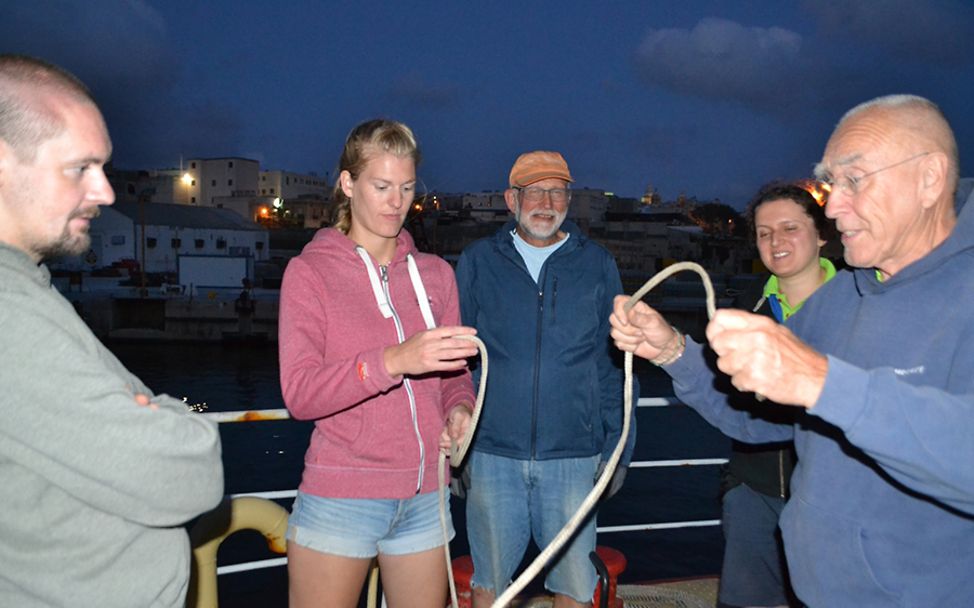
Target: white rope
[457,453]
[593,496]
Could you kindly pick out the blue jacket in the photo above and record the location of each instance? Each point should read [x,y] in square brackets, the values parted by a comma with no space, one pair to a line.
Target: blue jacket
[883,494]
[554,389]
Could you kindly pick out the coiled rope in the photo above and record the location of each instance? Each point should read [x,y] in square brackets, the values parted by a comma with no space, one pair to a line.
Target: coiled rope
[458,452]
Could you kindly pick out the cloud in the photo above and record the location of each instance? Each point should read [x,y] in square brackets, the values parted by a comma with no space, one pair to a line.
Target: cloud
[121,49]
[104,42]
[936,31]
[771,71]
[721,59]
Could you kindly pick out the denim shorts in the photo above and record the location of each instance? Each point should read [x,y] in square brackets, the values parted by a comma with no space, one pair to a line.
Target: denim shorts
[754,572]
[511,501]
[365,527]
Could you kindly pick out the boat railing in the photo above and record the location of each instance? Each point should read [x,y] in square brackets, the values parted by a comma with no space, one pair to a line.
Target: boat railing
[282,414]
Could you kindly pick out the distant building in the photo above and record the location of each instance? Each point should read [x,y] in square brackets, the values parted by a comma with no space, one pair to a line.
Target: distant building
[205,179]
[288,185]
[169,231]
[154,186]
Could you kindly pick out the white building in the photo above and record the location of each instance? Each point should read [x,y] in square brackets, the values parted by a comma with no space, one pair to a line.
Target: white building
[168,231]
[204,179]
[288,185]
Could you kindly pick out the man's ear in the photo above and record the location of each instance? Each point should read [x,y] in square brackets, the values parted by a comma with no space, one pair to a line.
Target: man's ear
[510,197]
[934,169]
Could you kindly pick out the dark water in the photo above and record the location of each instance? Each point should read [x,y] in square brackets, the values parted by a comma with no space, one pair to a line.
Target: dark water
[269,456]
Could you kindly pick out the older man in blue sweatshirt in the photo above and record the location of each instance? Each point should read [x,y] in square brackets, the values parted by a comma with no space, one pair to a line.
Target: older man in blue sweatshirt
[881,361]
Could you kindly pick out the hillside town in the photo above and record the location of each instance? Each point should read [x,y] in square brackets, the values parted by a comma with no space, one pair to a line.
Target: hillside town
[172,258]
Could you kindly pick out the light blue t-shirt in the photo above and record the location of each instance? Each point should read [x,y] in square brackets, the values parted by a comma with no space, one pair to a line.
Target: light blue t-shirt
[534,257]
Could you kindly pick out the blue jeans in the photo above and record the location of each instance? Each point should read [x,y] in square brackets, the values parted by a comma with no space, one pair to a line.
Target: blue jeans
[753,572]
[365,527]
[511,501]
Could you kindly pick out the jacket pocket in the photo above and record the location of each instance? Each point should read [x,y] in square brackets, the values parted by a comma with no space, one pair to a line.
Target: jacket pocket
[344,430]
[829,559]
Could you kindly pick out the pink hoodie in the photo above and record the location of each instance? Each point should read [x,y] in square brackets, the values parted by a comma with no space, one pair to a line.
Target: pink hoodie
[331,340]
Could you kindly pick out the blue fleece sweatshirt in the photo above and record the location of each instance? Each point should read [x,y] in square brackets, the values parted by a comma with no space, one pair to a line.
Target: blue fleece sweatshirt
[883,494]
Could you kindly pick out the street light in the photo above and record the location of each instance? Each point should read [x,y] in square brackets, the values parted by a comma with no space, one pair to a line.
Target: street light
[188,181]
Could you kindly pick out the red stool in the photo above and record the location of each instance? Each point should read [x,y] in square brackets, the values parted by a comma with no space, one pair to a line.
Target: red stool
[615,564]
[462,574]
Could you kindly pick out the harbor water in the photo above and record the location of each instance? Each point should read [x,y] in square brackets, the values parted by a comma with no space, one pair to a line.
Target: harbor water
[268,456]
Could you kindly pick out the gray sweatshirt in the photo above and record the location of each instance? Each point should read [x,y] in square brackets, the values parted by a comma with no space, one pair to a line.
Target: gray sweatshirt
[94,489]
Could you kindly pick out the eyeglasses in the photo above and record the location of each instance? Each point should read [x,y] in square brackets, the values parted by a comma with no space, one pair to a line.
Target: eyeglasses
[533,194]
[850,184]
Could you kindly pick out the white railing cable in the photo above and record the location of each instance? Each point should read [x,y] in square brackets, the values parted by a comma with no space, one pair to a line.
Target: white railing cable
[283,414]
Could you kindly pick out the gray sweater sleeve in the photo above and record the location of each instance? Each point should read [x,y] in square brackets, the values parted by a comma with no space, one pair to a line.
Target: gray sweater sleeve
[70,416]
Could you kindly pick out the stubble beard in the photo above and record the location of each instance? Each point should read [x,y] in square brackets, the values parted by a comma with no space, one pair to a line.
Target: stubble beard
[67,244]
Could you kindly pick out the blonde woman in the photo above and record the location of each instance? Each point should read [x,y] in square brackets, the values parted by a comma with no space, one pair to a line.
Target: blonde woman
[368,351]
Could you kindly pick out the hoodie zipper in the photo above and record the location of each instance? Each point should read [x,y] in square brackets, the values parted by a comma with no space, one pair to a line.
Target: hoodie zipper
[401,335]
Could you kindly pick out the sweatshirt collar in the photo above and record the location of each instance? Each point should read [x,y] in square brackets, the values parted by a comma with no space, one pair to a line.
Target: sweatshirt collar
[23,263]
[779,303]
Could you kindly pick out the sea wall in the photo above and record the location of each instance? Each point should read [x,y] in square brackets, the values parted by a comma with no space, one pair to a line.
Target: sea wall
[212,317]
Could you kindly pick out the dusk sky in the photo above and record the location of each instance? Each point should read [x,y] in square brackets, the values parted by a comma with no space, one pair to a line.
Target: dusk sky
[706,98]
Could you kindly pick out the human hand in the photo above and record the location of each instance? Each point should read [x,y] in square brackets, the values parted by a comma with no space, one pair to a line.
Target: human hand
[142,400]
[764,357]
[431,350]
[615,484]
[457,425]
[641,331]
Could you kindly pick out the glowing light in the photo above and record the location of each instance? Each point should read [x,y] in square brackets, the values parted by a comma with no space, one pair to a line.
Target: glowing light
[187,179]
[264,212]
[819,190]
[278,202]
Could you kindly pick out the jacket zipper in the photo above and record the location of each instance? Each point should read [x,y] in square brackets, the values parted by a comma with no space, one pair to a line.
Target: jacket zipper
[554,300]
[401,335]
[537,364]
